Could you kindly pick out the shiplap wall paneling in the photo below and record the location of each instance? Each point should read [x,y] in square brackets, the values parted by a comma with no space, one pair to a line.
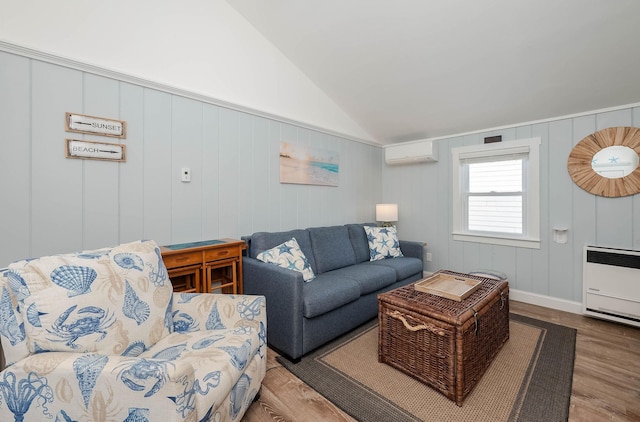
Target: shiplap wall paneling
[347,184]
[369,172]
[260,175]
[426,206]
[540,257]
[523,277]
[274,205]
[560,207]
[100,193]
[410,216]
[210,170]
[131,173]
[15,165]
[438,199]
[582,230]
[615,215]
[60,205]
[57,182]
[157,166]
[186,151]
[229,167]
[554,270]
[245,179]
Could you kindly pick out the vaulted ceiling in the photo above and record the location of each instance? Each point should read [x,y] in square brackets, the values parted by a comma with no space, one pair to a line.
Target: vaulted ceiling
[414,69]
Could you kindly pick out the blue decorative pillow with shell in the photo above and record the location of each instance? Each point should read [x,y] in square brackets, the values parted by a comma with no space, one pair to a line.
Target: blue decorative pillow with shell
[94,301]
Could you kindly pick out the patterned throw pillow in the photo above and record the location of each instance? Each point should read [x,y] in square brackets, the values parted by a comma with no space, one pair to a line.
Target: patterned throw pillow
[94,301]
[383,242]
[288,255]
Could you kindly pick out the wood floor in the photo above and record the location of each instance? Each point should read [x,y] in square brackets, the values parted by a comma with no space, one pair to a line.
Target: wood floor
[606,378]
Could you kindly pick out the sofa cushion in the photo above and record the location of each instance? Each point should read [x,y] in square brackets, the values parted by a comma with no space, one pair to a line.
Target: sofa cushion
[404,266]
[261,241]
[383,242]
[288,255]
[328,292]
[94,301]
[331,248]
[369,277]
[359,241]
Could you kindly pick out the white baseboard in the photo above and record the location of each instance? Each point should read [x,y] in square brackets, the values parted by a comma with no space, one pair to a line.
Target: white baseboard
[539,300]
[546,301]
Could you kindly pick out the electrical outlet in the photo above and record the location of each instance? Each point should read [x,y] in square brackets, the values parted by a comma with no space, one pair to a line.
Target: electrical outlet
[186,174]
[429,257]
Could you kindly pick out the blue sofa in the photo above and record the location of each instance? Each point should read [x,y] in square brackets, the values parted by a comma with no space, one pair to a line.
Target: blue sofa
[302,316]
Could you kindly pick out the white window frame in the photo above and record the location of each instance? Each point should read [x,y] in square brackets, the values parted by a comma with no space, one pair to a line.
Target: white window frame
[531,228]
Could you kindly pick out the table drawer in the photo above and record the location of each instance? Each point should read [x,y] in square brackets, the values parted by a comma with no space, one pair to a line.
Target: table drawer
[182,259]
[216,254]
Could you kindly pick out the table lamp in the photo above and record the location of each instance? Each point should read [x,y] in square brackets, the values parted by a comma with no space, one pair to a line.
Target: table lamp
[387,213]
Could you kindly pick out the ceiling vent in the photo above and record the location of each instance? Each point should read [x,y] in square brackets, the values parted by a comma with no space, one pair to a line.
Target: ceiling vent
[411,152]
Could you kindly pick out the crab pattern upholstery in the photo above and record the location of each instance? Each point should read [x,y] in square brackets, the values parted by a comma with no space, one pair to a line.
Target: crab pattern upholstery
[100,335]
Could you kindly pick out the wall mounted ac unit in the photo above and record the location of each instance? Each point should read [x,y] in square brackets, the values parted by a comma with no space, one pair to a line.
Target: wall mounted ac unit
[411,152]
[611,284]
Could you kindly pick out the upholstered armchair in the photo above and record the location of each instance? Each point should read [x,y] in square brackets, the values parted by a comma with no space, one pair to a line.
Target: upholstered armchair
[100,335]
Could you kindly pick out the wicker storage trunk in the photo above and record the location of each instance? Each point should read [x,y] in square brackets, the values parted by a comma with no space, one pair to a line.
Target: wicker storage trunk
[444,343]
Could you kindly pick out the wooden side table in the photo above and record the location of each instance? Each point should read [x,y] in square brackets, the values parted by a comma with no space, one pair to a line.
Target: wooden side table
[205,267]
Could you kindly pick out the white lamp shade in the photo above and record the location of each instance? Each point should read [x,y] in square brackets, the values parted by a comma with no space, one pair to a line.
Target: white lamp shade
[386,212]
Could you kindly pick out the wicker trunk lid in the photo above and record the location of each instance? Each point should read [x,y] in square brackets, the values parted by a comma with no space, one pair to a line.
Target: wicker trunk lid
[442,342]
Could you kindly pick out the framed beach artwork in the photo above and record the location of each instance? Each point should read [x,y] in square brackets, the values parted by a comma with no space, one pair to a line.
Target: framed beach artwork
[308,166]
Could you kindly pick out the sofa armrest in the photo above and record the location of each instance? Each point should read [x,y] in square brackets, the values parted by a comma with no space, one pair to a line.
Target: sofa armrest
[412,248]
[283,289]
[95,383]
[211,311]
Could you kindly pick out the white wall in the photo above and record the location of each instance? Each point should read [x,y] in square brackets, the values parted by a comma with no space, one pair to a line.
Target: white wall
[423,192]
[52,204]
[203,46]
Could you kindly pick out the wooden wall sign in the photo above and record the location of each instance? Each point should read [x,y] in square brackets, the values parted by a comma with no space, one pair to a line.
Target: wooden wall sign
[82,123]
[95,150]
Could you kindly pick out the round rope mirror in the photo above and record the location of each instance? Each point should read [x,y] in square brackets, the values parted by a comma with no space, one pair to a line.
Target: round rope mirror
[605,171]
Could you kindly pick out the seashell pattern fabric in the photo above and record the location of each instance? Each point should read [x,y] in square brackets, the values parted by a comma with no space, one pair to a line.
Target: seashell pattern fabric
[207,367]
[12,334]
[113,286]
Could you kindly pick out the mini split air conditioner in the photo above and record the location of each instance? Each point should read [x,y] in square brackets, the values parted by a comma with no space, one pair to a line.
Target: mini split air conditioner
[411,152]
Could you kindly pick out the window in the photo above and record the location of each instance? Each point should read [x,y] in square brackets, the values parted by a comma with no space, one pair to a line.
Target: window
[496,193]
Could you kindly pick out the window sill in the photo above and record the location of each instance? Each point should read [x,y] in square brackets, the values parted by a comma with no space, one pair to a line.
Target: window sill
[503,241]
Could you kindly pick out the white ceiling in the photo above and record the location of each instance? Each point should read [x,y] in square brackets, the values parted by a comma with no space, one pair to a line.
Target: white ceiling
[411,69]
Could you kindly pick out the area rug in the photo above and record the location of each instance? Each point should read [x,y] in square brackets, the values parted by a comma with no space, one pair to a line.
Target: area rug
[529,380]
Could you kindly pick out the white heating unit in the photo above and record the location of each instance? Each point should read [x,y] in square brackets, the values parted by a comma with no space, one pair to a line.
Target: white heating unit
[611,283]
